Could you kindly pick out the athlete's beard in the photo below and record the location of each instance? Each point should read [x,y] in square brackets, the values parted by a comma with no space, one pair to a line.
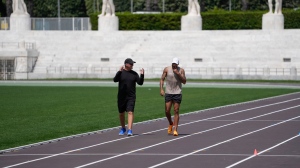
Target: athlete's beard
[174,66]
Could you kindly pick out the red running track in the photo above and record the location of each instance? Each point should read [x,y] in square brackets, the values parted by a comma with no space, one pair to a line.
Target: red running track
[214,138]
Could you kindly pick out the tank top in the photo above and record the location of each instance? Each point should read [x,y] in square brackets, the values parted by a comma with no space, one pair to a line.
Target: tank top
[173,83]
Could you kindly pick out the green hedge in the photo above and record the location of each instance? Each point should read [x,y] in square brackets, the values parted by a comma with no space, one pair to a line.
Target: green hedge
[210,20]
[234,20]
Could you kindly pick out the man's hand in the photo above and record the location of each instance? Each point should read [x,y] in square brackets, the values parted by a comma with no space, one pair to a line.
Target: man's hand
[142,71]
[180,74]
[121,68]
[176,71]
[162,92]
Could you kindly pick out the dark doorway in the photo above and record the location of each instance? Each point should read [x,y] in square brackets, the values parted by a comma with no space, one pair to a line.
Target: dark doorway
[7,69]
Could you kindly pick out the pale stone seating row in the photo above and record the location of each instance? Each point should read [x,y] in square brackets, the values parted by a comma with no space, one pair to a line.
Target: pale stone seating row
[230,54]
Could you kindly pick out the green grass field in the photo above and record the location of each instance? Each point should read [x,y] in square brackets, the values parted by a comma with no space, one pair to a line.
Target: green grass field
[33,114]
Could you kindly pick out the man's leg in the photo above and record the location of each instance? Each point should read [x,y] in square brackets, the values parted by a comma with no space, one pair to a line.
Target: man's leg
[122,123]
[130,115]
[130,119]
[168,106]
[122,119]
[176,115]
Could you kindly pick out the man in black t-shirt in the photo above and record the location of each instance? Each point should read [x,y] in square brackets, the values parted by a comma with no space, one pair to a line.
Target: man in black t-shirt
[127,79]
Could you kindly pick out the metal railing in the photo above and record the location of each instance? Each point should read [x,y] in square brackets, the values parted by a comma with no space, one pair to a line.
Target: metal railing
[69,24]
[72,24]
[81,70]
[188,71]
[26,45]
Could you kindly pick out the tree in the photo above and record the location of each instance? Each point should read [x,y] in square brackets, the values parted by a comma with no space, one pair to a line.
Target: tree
[139,5]
[29,4]
[91,6]
[68,8]
[244,5]
[73,8]
[151,5]
[2,8]
[82,8]
[122,6]
[174,5]
[8,7]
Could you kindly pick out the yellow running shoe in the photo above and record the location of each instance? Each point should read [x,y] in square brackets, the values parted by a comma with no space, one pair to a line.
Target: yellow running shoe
[170,129]
[175,133]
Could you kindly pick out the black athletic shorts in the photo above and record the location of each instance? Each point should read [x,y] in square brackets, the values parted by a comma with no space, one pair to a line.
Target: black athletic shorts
[126,105]
[173,97]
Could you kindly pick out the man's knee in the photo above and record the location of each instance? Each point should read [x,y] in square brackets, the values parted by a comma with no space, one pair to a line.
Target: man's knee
[176,108]
[176,111]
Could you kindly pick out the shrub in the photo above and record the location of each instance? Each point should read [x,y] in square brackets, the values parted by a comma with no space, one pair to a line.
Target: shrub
[211,20]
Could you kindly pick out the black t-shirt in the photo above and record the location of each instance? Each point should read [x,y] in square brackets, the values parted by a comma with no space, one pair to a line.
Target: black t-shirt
[127,83]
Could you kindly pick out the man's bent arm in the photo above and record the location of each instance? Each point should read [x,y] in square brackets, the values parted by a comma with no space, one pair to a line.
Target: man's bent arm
[141,80]
[181,76]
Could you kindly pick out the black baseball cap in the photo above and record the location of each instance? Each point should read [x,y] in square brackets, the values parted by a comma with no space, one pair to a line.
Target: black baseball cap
[129,61]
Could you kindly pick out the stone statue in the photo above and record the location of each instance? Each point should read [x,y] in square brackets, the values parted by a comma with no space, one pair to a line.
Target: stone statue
[193,8]
[108,8]
[278,7]
[19,7]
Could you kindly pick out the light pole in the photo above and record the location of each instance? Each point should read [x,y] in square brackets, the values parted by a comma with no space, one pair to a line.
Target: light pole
[163,6]
[58,13]
[230,5]
[131,6]
[58,8]
[94,6]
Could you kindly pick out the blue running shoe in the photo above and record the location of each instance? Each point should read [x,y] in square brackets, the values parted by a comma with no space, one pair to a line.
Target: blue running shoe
[129,133]
[122,131]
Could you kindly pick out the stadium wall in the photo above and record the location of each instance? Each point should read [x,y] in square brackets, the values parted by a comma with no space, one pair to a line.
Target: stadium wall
[214,54]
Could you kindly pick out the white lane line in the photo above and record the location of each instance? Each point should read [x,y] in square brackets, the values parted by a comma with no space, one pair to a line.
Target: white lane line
[189,154]
[238,120]
[223,115]
[259,153]
[65,152]
[147,147]
[34,160]
[148,154]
